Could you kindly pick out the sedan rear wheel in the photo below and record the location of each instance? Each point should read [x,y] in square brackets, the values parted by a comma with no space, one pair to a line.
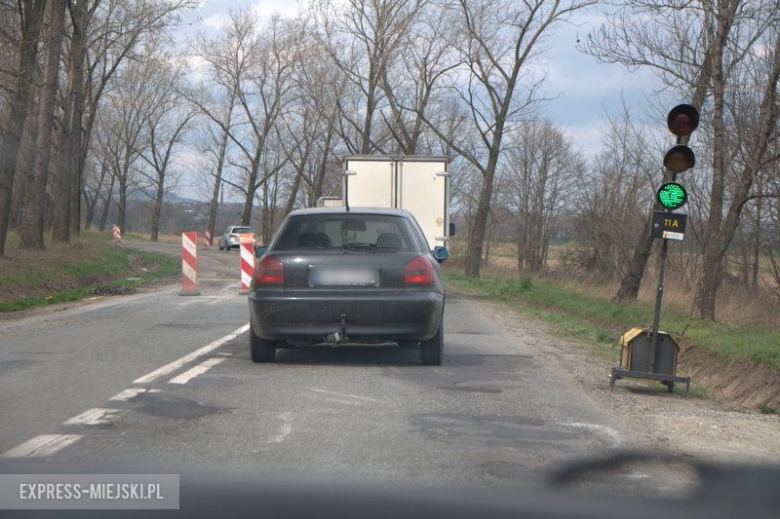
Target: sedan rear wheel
[262,350]
[432,350]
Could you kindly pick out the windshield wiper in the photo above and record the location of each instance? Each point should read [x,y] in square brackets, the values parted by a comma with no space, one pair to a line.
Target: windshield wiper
[373,247]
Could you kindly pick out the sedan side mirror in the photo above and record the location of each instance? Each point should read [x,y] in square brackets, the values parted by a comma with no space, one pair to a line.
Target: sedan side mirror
[260,250]
[440,253]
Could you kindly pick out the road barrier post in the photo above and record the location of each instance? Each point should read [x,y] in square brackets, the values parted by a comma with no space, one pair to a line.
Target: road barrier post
[207,239]
[247,261]
[117,233]
[189,264]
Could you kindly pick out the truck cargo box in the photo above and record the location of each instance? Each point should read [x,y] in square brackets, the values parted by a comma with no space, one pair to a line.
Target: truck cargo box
[418,184]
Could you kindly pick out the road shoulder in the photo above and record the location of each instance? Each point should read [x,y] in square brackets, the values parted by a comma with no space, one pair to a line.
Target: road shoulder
[703,427]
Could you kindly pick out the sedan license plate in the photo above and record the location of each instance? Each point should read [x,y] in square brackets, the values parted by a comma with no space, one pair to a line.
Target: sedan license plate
[342,277]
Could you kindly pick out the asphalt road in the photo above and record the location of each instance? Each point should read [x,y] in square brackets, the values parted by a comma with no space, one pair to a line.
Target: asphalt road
[166,379]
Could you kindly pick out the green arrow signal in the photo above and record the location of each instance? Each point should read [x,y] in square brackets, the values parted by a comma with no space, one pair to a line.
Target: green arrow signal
[672,195]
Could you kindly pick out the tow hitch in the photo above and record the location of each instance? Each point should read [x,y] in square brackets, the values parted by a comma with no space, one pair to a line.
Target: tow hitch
[339,337]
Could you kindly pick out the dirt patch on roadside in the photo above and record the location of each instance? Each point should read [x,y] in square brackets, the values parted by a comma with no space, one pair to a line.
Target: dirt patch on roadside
[43,273]
[711,429]
[739,383]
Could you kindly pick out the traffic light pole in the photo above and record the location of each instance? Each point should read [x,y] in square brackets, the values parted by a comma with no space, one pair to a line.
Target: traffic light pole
[658,298]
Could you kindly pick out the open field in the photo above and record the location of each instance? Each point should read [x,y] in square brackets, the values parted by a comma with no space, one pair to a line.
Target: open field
[736,305]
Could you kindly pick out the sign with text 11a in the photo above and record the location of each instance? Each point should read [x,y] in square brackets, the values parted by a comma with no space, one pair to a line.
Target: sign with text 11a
[669,226]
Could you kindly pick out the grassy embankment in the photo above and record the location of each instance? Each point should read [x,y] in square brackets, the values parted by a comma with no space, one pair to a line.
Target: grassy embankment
[597,321]
[68,273]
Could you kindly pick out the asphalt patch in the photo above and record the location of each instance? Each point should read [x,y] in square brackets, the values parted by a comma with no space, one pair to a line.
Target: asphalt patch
[9,366]
[472,389]
[495,430]
[169,406]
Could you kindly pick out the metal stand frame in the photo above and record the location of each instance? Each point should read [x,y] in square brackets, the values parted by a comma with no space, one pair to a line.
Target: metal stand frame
[670,380]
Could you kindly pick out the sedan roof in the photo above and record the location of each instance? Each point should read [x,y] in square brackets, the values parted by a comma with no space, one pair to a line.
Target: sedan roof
[352,210]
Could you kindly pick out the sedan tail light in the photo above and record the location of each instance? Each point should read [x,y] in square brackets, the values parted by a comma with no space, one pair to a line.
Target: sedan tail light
[269,271]
[233,236]
[418,271]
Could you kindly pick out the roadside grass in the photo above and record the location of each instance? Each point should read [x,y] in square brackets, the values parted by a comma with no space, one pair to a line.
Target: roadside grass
[598,321]
[69,273]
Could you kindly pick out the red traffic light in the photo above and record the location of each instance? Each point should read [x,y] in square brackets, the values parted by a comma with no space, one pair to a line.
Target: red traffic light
[680,158]
[682,120]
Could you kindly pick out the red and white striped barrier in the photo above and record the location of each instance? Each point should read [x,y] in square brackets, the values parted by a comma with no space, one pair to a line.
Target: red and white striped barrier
[247,260]
[189,264]
[117,233]
[207,239]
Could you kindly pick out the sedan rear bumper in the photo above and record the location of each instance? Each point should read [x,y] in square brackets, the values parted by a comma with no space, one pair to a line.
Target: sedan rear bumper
[312,316]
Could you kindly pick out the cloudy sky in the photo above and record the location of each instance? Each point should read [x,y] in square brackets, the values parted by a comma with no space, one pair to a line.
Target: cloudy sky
[582,89]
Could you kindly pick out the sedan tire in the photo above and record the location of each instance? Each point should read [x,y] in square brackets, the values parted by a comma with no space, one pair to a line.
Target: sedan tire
[432,350]
[262,350]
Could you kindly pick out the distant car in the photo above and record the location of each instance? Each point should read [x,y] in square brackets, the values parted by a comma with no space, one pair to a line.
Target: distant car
[230,238]
[334,277]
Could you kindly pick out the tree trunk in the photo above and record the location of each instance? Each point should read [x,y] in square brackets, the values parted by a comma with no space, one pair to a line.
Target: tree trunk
[67,178]
[756,243]
[629,285]
[122,205]
[251,189]
[293,193]
[218,176]
[107,205]
[91,204]
[477,234]
[31,229]
[157,212]
[10,143]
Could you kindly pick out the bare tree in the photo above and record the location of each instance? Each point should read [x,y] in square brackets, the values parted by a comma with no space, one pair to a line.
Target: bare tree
[364,39]
[496,41]
[411,83]
[31,229]
[166,124]
[262,79]
[539,173]
[30,18]
[698,51]
[611,197]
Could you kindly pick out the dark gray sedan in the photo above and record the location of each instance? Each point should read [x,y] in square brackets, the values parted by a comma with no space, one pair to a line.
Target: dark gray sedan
[360,277]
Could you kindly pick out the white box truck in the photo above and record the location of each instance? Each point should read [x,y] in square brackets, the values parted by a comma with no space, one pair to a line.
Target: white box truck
[418,184]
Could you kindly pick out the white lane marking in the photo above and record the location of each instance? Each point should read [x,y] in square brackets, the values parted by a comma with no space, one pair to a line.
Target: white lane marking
[344,395]
[197,370]
[286,429]
[220,299]
[209,300]
[95,416]
[44,445]
[132,392]
[637,475]
[340,401]
[178,363]
[603,430]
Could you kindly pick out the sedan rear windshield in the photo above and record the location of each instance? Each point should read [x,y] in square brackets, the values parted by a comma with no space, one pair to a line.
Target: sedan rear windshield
[242,230]
[380,233]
